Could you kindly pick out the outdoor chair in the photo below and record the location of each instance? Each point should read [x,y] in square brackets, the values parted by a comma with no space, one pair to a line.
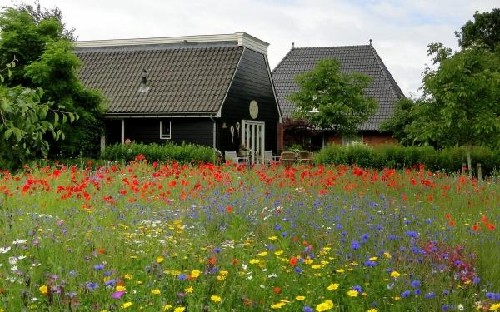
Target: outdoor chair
[288,158]
[232,156]
[305,157]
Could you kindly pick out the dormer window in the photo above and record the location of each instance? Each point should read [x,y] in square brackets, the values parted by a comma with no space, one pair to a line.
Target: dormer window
[143,88]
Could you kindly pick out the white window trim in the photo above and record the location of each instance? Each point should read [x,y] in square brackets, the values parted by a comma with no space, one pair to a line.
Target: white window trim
[165,136]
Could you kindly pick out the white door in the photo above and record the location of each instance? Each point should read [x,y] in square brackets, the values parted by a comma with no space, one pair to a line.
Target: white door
[253,137]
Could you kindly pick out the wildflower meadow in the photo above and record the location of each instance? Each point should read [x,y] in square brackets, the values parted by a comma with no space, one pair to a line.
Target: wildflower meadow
[171,237]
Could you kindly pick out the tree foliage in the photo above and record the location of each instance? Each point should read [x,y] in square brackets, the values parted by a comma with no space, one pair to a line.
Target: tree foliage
[43,50]
[483,31]
[330,99]
[460,104]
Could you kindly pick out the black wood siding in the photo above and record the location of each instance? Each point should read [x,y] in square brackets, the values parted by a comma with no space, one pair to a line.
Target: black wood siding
[147,130]
[251,82]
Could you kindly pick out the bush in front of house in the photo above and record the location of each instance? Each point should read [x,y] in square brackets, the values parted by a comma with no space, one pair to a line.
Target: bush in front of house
[168,152]
[398,157]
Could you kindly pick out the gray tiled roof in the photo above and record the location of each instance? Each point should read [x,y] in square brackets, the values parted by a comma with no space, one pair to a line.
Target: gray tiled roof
[187,80]
[363,59]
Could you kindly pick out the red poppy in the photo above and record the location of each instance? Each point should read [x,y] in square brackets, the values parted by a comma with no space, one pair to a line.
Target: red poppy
[293,261]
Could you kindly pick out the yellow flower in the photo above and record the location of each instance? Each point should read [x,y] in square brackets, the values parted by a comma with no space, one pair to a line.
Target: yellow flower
[43,289]
[395,274]
[340,270]
[272,237]
[254,261]
[278,252]
[167,307]
[333,286]
[372,310]
[120,288]
[373,259]
[189,290]
[155,291]
[325,306]
[352,293]
[127,305]
[159,259]
[308,261]
[495,307]
[180,309]
[387,255]
[300,298]
[216,298]
[262,254]
[127,276]
[195,273]
[278,305]
[316,266]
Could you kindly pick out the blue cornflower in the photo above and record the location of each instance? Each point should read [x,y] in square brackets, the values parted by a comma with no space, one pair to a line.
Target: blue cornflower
[307,309]
[364,238]
[416,283]
[99,267]
[412,234]
[91,286]
[417,292]
[182,277]
[217,249]
[370,263]
[298,270]
[355,245]
[406,294]
[445,307]
[392,237]
[430,295]
[111,282]
[357,288]
[277,227]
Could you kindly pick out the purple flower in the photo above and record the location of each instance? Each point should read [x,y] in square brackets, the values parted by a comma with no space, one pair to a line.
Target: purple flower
[118,294]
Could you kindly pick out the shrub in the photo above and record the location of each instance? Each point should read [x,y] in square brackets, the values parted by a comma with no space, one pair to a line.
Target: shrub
[184,153]
[448,160]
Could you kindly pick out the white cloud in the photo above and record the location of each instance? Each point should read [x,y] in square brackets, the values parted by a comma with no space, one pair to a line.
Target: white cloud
[400,29]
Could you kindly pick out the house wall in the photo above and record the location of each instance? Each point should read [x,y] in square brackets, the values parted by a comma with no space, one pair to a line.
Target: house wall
[251,82]
[147,130]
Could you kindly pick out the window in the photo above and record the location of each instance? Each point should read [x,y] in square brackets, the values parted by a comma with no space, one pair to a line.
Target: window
[165,129]
[352,140]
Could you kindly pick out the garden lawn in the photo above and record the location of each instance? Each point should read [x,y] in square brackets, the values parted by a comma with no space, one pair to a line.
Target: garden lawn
[170,237]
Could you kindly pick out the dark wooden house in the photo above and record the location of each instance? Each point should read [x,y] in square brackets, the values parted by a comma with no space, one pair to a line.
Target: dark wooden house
[212,90]
[362,59]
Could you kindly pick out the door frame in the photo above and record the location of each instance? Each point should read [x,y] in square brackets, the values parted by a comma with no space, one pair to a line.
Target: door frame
[254,138]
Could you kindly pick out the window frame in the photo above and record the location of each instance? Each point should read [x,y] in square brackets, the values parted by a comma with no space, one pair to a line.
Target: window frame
[166,136]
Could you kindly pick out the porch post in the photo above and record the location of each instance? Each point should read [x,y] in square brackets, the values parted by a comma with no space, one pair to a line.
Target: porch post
[123,131]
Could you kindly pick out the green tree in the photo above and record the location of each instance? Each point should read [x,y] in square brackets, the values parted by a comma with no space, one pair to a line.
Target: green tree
[400,121]
[25,122]
[38,40]
[483,31]
[460,104]
[330,99]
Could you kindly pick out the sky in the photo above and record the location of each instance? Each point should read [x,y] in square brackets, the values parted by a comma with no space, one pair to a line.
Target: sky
[400,29]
